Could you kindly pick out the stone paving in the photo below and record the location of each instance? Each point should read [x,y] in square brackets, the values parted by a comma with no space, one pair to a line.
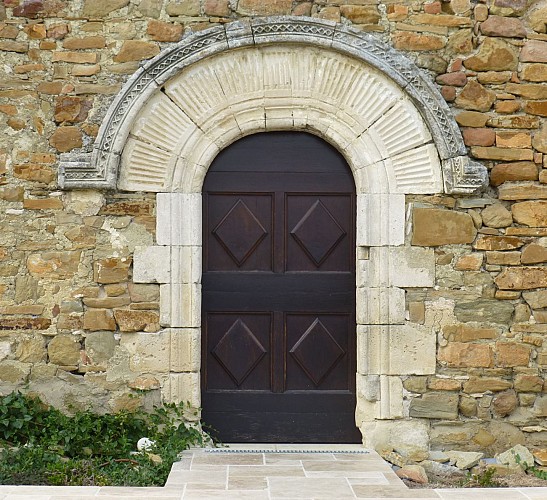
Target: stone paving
[269,472]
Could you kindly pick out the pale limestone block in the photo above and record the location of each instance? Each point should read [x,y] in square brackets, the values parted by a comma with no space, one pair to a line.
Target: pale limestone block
[148,352]
[152,264]
[198,91]
[388,402]
[391,397]
[145,167]
[368,386]
[189,177]
[365,150]
[380,306]
[439,313]
[365,410]
[183,387]
[163,124]
[395,350]
[373,179]
[411,267]
[399,129]
[180,305]
[371,94]
[417,171]
[225,128]
[185,264]
[381,220]
[410,438]
[185,349]
[83,202]
[178,219]
[280,116]
[199,148]
[397,266]
[250,115]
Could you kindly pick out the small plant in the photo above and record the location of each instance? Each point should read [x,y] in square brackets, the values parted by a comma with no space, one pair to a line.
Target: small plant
[482,479]
[41,445]
[531,469]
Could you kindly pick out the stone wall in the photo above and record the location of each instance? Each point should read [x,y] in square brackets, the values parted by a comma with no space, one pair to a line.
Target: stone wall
[76,329]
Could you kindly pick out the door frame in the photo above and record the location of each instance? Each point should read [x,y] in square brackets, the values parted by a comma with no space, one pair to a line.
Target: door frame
[429,157]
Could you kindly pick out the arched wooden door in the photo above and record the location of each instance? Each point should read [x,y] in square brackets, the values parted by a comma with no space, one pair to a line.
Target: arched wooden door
[278,355]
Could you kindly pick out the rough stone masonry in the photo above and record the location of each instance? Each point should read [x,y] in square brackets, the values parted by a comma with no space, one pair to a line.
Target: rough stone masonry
[78,331]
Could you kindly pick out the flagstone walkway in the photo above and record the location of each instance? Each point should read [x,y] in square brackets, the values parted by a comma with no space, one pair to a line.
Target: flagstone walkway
[270,472]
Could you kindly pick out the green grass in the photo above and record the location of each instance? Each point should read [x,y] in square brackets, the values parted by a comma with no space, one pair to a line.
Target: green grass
[43,446]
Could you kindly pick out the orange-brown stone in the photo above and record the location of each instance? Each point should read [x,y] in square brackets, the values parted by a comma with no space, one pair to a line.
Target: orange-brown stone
[522,278]
[434,227]
[530,213]
[493,55]
[406,40]
[475,97]
[136,50]
[509,354]
[458,354]
[489,242]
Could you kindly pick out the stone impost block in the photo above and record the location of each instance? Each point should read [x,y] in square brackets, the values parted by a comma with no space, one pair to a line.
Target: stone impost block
[395,350]
[178,219]
[380,306]
[380,220]
[149,352]
[185,349]
[183,387]
[152,264]
[180,305]
[408,267]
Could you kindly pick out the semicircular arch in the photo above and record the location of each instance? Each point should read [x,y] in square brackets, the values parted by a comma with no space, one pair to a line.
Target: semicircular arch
[175,114]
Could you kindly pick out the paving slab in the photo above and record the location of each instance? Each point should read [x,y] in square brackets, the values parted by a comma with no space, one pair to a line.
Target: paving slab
[275,472]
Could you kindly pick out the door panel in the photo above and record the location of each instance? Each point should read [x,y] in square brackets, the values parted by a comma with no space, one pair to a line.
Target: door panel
[278,362]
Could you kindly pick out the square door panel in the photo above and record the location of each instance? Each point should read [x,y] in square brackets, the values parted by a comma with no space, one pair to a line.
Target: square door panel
[318,232]
[239,232]
[238,351]
[317,351]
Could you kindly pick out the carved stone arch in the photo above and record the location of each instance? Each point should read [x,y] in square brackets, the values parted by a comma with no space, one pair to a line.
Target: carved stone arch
[431,159]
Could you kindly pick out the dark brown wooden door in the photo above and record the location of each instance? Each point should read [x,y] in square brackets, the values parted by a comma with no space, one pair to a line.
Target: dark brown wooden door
[278,356]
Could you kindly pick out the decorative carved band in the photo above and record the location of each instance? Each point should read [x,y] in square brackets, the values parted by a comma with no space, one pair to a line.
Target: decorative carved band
[99,169]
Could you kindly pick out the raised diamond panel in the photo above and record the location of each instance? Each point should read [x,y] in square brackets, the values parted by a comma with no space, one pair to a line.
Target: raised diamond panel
[240,232]
[317,352]
[238,351]
[318,233]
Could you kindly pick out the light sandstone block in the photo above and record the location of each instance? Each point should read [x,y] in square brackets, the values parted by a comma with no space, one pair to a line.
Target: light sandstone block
[145,166]
[180,305]
[178,219]
[388,403]
[400,129]
[163,124]
[410,438]
[185,349]
[183,387]
[185,264]
[395,350]
[380,306]
[417,171]
[381,220]
[405,267]
[152,264]
[149,352]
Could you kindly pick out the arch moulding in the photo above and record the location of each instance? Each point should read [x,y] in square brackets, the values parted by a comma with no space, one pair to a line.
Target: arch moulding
[389,121]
